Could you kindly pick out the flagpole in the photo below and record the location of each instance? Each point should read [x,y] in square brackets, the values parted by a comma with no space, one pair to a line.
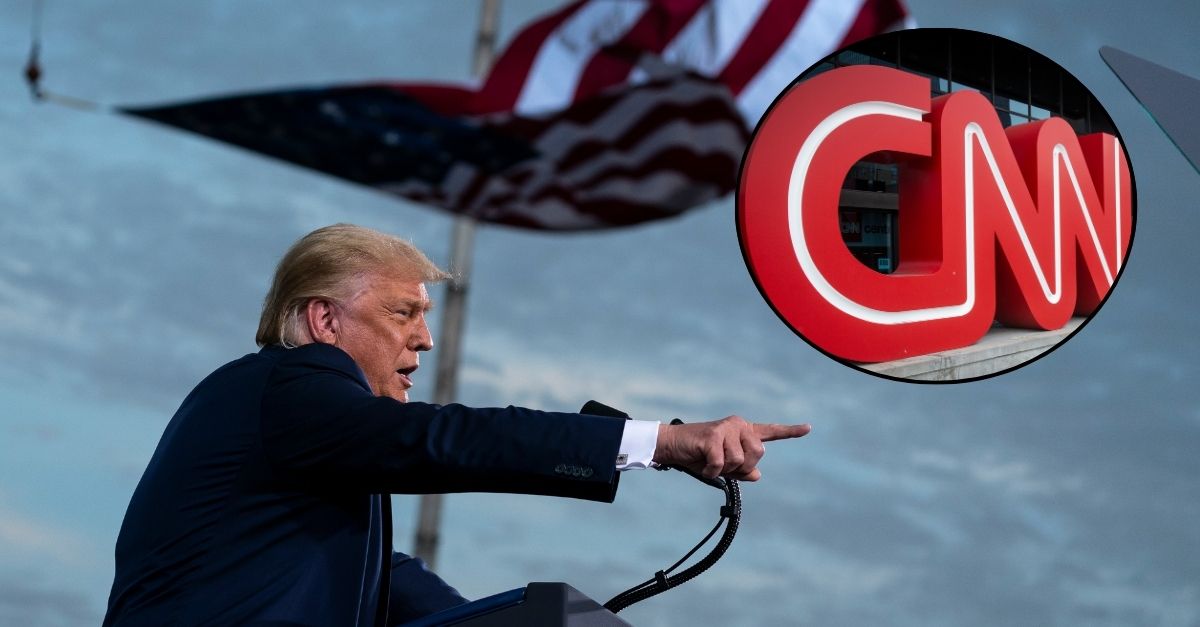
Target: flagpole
[454,309]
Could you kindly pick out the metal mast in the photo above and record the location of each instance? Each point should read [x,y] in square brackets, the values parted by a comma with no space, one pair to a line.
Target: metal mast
[449,341]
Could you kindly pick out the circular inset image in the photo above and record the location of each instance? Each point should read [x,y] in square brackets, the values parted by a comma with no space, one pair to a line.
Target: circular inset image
[936,205]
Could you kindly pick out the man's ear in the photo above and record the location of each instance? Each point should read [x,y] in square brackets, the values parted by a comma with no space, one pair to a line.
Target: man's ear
[321,318]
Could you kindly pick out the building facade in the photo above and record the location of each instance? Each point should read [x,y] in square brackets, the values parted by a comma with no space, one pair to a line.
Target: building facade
[1021,84]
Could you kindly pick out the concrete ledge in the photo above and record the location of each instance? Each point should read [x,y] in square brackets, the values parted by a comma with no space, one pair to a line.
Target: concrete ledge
[1000,349]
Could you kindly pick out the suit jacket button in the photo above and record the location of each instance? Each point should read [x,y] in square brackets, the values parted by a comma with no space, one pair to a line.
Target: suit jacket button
[587,472]
[560,469]
[575,471]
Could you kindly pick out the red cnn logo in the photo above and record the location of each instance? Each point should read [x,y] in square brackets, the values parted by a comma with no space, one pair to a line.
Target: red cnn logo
[1027,225]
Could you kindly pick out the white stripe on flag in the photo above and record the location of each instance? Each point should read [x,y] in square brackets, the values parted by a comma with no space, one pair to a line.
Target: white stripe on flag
[554,76]
[561,137]
[626,112]
[708,138]
[817,33]
[711,38]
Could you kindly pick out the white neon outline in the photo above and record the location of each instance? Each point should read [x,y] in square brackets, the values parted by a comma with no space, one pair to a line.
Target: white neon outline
[972,130]
[1117,195]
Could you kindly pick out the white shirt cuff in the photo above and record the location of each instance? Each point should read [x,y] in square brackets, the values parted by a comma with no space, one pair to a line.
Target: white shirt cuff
[637,445]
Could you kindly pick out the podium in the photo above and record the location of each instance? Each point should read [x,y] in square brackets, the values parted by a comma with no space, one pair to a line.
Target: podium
[539,604]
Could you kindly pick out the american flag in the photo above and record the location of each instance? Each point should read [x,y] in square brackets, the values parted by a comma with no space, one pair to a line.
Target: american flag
[604,113]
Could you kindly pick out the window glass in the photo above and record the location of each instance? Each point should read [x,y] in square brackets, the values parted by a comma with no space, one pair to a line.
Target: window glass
[1044,87]
[927,53]
[1100,122]
[852,57]
[971,63]
[1079,125]
[881,49]
[821,67]
[1075,99]
[1012,78]
[937,84]
[1009,104]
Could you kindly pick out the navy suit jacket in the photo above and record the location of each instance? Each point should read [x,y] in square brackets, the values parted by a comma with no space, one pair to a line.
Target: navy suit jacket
[266,501]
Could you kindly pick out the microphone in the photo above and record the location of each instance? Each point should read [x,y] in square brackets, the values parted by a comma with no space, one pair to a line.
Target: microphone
[596,408]
[663,580]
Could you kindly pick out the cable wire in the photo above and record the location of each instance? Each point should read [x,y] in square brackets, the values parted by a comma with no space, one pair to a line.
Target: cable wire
[731,514]
[33,70]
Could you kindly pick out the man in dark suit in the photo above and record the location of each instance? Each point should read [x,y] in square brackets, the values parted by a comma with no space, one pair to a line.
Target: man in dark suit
[266,501]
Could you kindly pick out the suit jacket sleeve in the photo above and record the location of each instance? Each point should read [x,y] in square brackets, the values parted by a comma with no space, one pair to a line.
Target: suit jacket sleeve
[321,425]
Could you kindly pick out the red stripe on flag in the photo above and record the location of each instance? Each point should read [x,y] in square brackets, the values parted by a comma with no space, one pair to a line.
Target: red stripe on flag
[761,43]
[447,100]
[651,34]
[467,198]
[875,16]
[696,113]
[508,74]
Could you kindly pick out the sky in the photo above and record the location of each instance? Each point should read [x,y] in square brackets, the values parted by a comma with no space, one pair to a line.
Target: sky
[133,261]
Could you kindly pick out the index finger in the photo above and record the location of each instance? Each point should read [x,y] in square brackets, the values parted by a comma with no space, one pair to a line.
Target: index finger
[769,432]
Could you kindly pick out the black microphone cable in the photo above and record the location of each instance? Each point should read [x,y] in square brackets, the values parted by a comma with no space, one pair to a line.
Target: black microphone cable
[662,581]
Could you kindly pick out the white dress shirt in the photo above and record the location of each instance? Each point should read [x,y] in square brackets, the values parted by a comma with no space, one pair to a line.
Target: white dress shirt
[637,445]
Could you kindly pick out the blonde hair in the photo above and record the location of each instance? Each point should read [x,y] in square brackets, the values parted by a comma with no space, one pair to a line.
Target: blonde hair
[327,263]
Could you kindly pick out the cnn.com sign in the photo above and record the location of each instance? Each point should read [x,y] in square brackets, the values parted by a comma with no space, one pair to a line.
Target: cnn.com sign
[1027,225]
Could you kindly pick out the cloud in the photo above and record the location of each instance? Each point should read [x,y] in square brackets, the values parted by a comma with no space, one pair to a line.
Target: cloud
[22,535]
[149,276]
[1018,477]
[134,259]
[38,432]
[27,602]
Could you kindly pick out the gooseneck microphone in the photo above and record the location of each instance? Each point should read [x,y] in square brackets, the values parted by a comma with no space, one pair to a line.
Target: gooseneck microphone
[662,580]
